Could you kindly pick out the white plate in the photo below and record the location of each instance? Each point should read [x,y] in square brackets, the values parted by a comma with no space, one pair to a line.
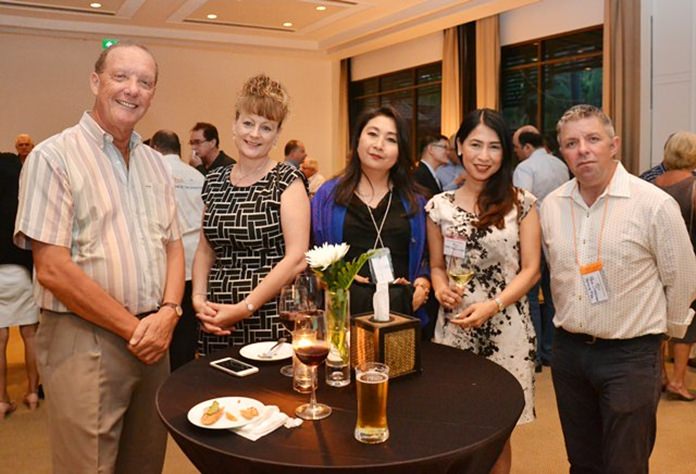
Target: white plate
[230,405]
[252,351]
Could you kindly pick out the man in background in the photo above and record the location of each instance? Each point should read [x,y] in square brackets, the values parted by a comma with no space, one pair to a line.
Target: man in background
[188,183]
[433,155]
[109,273]
[539,172]
[310,168]
[295,153]
[23,144]
[205,144]
[451,175]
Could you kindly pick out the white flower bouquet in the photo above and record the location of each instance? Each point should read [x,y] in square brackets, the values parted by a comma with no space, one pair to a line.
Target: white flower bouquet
[327,262]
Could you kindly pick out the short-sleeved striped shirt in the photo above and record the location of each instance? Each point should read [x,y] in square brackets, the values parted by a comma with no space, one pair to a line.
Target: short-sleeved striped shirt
[77,192]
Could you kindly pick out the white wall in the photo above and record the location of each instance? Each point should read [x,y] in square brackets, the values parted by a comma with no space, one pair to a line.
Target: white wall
[668,82]
[549,17]
[423,50]
[44,89]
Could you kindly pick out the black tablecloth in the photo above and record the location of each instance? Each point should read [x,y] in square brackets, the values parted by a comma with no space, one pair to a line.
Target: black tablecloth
[454,417]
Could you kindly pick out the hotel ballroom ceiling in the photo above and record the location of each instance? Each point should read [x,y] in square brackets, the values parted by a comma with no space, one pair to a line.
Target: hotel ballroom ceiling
[327,27]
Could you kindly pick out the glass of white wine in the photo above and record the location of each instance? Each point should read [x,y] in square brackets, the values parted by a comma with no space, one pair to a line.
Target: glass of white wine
[460,271]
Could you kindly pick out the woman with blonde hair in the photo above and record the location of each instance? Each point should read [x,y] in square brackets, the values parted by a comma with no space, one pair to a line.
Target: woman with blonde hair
[255,227]
[679,182]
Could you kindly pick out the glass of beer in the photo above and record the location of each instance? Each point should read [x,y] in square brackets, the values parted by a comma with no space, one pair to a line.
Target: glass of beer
[372,383]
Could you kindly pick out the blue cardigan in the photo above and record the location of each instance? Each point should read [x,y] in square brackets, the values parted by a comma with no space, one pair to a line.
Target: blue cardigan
[327,226]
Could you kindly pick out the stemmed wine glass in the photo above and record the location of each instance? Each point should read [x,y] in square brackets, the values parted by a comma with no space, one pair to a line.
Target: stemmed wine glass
[291,302]
[309,340]
[309,282]
[460,271]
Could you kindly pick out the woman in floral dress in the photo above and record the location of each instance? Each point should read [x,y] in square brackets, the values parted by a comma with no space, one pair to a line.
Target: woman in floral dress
[496,227]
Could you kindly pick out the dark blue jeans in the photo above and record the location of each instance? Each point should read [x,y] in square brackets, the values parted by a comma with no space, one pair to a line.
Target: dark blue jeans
[607,394]
[542,315]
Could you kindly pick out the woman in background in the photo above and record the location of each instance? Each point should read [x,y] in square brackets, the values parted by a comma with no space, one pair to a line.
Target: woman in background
[374,203]
[255,228]
[679,182]
[496,227]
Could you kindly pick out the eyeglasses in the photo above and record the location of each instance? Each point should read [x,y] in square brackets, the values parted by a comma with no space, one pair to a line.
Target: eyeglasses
[197,142]
[440,145]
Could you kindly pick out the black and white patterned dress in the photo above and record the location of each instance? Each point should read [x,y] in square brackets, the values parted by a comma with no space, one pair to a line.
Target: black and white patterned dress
[507,338]
[242,225]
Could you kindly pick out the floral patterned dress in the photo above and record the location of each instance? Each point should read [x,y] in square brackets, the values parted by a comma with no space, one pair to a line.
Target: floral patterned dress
[508,337]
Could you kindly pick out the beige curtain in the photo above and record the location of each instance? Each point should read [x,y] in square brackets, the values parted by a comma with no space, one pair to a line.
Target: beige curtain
[487,62]
[451,109]
[343,139]
[621,76]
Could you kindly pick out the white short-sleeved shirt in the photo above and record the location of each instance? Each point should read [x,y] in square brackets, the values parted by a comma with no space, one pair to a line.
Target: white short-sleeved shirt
[77,192]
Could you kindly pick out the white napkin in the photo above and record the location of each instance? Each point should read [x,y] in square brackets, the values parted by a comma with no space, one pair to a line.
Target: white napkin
[380,302]
[271,419]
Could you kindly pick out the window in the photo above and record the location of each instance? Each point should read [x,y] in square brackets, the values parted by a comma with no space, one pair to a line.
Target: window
[415,93]
[541,79]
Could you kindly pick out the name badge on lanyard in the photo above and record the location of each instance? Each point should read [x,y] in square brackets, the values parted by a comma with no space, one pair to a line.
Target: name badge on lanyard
[594,282]
[381,266]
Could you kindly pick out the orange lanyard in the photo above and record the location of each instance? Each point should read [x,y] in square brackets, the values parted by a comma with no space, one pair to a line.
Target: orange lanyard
[601,230]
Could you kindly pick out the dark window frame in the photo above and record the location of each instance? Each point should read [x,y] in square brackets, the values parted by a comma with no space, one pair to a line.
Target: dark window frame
[414,87]
[538,64]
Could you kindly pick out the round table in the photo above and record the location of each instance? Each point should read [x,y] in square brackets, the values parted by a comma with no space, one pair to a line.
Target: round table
[454,417]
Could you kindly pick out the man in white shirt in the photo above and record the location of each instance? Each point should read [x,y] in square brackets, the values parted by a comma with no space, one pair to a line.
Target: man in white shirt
[622,275]
[539,173]
[188,184]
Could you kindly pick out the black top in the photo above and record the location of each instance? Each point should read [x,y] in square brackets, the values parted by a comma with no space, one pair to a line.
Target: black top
[682,192]
[10,167]
[425,178]
[360,233]
[222,160]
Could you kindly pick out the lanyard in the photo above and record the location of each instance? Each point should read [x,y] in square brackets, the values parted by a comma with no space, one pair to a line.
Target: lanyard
[378,240]
[601,230]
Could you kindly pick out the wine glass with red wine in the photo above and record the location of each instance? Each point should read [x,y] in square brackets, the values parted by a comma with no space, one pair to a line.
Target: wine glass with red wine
[291,302]
[309,340]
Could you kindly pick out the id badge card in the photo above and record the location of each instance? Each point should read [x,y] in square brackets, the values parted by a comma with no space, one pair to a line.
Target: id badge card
[381,267]
[594,282]
[455,247]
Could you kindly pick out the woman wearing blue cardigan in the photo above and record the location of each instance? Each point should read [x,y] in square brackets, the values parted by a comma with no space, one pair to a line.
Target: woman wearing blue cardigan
[375,203]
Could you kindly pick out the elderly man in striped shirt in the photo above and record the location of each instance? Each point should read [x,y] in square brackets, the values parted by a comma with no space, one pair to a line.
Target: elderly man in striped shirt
[97,207]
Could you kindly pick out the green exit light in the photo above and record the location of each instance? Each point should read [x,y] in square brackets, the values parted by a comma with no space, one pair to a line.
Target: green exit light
[107,43]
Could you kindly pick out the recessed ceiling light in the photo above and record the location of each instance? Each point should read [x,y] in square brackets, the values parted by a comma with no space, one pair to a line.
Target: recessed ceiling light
[95,5]
[321,8]
[212,16]
[287,24]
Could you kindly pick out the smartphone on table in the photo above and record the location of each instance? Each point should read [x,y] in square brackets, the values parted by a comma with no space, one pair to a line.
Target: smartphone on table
[234,367]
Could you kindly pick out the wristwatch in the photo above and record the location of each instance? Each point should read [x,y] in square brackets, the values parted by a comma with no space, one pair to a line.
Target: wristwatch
[177,309]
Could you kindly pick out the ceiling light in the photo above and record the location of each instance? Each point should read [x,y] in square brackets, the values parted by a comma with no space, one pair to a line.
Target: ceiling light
[287,24]
[212,16]
[321,8]
[95,5]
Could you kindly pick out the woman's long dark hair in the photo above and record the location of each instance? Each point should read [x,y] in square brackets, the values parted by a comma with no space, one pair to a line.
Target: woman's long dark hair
[401,174]
[498,195]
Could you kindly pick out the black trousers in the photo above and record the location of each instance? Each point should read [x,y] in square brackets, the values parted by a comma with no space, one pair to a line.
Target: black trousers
[607,393]
[184,341]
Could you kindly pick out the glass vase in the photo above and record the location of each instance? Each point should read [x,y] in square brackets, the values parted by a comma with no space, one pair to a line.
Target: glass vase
[337,315]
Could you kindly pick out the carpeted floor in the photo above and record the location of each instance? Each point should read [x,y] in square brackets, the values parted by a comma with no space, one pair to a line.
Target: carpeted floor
[537,447]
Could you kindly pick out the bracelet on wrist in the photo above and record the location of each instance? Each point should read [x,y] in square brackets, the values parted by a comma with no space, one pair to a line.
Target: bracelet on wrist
[499,303]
